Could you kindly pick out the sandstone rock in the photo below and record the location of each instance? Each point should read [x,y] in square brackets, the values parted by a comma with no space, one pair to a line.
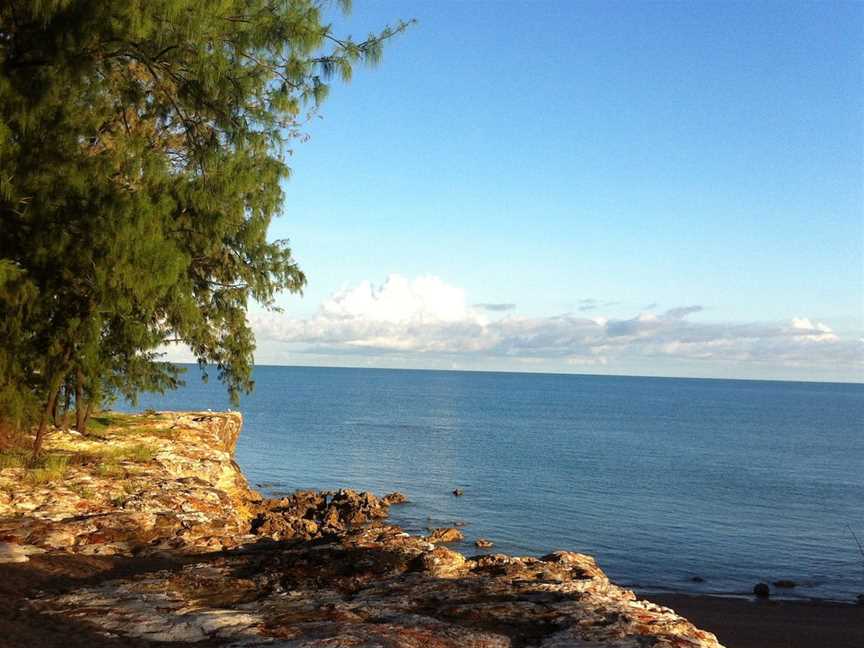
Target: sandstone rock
[12,553]
[442,562]
[483,543]
[393,498]
[191,495]
[378,586]
[444,535]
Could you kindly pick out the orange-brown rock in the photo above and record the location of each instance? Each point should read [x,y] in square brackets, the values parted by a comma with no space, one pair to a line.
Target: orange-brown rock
[445,535]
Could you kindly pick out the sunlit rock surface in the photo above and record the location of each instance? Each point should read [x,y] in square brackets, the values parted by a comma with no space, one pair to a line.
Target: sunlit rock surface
[189,495]
[312,570]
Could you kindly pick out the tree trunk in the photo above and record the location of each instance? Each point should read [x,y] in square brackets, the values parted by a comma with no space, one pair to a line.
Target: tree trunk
[55,411]
[79,401]
[87,409]
[43,421]
[67,403]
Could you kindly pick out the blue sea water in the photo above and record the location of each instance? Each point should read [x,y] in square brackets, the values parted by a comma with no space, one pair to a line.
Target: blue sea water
[661,479]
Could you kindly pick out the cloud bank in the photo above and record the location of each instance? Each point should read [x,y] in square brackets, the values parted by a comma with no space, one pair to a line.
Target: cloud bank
[428,317]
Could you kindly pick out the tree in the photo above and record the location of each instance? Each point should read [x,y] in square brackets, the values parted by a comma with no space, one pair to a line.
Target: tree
[142,150]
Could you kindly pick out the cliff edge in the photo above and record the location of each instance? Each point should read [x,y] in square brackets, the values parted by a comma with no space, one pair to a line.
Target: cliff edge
[164,543]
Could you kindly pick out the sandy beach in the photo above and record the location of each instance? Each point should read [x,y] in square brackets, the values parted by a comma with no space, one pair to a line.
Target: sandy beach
[743,623]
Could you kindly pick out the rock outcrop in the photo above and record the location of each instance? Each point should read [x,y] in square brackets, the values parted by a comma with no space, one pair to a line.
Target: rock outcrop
[307,515]
[163,482]
[312,570]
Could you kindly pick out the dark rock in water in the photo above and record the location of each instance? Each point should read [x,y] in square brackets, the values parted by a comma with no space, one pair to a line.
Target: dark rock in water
[306,515]
[459,523]
[697,579]
[786,584]
[860,599]
[762,590]
[444,535]
[393,498]
[483,543]
[458,492]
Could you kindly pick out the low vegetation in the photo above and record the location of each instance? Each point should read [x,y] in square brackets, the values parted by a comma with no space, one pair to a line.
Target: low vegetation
[134,452]
[48,468]
[13,458]
[53,466]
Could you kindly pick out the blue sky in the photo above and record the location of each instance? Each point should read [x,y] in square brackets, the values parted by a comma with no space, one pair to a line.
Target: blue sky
[579,161]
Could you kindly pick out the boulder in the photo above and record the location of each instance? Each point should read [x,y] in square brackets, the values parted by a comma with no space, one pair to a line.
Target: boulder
[393,498]
[442,562]
[444,535]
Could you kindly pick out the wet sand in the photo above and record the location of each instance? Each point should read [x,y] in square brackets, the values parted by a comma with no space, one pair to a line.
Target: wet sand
[742,623]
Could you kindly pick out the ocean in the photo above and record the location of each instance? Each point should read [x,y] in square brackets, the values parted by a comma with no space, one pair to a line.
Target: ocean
[685,485]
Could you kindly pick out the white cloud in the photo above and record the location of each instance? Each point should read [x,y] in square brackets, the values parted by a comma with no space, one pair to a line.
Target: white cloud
[398,300]
[427,317]
[813,331]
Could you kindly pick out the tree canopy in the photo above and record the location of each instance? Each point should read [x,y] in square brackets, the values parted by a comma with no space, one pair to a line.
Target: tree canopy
[142,151]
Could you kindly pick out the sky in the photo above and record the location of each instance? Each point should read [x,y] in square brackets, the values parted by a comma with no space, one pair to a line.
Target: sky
[644,188]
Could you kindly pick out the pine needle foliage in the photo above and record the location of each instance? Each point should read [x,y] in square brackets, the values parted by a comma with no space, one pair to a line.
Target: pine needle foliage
[142,151]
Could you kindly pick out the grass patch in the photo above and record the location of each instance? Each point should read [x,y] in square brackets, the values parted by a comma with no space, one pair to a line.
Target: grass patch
[45,469]
[131,430]
[14,459]
[110,470]
[118,423]
[83,492]
[48,469]
[108,460]
[105,420]
[135,452]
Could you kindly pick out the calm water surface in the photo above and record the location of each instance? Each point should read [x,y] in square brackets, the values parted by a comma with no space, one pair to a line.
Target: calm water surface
[660,479]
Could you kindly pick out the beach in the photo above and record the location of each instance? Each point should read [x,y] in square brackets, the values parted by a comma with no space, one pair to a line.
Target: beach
[743,623]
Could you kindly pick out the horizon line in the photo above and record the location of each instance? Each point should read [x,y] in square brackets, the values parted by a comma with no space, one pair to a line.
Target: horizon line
[550,373]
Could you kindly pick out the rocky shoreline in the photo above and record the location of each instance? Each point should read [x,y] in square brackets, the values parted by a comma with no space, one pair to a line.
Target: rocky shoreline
[208,561]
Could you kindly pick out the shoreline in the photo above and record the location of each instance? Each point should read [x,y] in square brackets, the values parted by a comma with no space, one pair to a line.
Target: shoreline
[771,623]
[655,592]
[153,534]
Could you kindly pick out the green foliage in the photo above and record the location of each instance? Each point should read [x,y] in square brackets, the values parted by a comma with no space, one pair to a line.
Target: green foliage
[142,151]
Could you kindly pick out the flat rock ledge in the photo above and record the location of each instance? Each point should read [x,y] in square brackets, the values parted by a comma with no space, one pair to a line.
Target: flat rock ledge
[313,570]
